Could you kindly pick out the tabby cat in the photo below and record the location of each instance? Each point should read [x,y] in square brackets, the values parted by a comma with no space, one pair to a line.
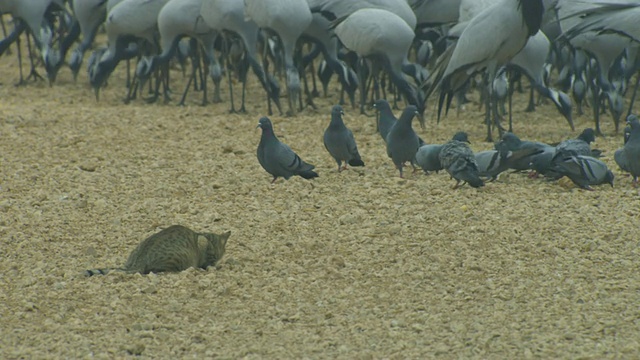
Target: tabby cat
[173,249]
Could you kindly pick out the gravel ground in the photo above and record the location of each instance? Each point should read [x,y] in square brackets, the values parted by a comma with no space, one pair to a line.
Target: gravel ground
[358,264]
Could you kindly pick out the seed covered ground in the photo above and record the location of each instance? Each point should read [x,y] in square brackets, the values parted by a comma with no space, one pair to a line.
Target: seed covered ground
[358,264]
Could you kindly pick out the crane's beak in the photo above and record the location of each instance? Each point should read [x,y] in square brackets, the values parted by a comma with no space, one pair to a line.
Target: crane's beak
[420,119]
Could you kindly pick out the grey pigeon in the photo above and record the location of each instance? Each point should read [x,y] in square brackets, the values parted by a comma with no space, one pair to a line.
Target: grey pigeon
[457,158]
[579,146]
[628,157]
[620,156]
[428,155]
[621,159]
[339,141]
[277,158]
[513,143]
[627,133]
[492,163]
[402,140]
[584,171]
[386,119]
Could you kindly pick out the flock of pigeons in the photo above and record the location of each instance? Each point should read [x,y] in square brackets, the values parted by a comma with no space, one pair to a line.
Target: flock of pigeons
[572,158]
[423,47]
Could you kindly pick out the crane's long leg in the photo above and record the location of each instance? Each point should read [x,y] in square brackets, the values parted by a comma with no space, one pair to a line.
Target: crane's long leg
[510,100]
[227,61]
[362,83]
[633,95]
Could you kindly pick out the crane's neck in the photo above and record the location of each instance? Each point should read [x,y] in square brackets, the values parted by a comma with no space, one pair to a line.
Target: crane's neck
[532,11]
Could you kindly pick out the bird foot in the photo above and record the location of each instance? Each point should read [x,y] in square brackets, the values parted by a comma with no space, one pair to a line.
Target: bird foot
[533,175]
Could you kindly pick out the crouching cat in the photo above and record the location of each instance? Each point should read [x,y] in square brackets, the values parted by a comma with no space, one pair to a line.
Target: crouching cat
[173,249]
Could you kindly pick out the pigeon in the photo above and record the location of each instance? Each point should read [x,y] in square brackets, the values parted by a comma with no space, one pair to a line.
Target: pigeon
[513,143]
[339,141]
[428,155]
[621,159]
[579,146]
[628,157]
[619,156]
[402,140]
[584,171]
[457,158]
[277,158]
[492,163]
[386,119]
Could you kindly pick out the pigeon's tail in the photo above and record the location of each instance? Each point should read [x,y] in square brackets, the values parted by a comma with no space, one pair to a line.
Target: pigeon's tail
[596,153]
[308,174]
[356,162]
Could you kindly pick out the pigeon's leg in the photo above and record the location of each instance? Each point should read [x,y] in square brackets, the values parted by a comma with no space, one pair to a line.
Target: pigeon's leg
[634,182]
[274,179]
[457,185]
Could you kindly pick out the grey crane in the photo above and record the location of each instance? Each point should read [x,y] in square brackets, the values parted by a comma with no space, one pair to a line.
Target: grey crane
[603,30]
[288,19]
[488,42]
[320,33]
[177,19]
[32,13]
[89,14]
[433,12]
[335,10]
[385,38]
[227,16]
[531,60]
[127,21]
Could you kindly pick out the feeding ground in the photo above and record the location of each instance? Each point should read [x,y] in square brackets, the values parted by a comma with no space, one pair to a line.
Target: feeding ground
[358,264]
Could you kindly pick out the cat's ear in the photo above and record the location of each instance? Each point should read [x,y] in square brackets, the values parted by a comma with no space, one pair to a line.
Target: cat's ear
[224,237]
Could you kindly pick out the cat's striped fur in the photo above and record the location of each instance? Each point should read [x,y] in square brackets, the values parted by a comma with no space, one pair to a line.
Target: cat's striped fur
[173,249]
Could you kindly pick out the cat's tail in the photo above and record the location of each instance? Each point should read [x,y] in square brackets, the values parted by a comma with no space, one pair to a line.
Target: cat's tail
[105,271]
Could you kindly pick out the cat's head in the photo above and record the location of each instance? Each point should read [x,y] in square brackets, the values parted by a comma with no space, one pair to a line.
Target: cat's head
[217,245]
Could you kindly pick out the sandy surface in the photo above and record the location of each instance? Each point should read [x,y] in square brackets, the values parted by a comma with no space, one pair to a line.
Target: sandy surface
[359,264]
